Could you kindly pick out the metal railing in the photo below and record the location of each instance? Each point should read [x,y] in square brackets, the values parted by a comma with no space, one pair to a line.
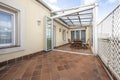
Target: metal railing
[109,41]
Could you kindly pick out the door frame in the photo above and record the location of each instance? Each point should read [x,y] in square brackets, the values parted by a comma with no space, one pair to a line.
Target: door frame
[45,37]
[64,36]
[54,36]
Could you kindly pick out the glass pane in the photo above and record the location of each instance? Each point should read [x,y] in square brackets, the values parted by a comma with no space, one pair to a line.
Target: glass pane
[83,35]
[72,35]
[6,29]
[78,35]
[49,33]
[64,35]
[91,34]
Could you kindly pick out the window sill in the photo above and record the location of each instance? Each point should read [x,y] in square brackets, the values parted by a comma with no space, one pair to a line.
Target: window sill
[11,49]
[12,46]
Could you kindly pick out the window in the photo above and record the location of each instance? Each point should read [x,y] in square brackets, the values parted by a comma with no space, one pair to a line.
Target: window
[8,29]
[83,35]
[64,35]
[72,35]
[11,26]
[78,34]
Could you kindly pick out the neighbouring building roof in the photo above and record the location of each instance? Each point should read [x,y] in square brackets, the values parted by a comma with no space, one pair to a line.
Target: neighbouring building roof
[44,4]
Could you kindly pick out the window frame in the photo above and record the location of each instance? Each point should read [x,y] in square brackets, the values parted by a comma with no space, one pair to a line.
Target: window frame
[20,13]
[14,29]
[64,34]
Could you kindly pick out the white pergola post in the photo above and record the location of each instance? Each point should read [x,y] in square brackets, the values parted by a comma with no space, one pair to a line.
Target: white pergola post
[95,30]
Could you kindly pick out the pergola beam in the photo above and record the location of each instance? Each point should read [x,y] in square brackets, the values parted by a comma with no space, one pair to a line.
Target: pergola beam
[79,19]
[70,20]
[75,11]
[86,14]
[85,21]
[72,8]
[61,22]
[81,14]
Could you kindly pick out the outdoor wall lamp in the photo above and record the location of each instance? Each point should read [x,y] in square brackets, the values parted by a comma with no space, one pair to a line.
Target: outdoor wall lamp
[59,29]
[39,22]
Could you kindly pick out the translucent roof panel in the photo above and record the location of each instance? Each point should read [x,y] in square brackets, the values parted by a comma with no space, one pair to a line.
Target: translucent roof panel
[69,23]
[80,18]
[85,20]
[77,19]
[87,11]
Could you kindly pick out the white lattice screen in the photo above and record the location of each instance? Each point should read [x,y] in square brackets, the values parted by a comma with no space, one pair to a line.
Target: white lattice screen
[109,41]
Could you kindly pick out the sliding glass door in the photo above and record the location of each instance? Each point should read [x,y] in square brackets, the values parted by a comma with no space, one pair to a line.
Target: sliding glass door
[48,34]
[72,35]
[83,36]
[79,35]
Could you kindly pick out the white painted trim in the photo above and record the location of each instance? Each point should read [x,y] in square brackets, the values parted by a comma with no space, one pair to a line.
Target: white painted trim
[45,37]
[54,36]
[64,36]
[74,11]
[45,40]
[11,4]
[78,29]
[62,10]
[95,30]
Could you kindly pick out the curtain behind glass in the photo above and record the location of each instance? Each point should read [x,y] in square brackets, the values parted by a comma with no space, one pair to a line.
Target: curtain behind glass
[78,34]
[72,35]
[83,36]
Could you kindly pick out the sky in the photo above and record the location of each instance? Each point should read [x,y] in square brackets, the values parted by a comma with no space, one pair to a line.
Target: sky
[5,20]
[104,8]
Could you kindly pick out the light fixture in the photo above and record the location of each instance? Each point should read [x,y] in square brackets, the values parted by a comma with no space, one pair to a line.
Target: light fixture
[59,29]
[39,22]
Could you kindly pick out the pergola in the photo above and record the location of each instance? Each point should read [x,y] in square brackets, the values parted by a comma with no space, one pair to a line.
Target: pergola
[83,16]
[75,17]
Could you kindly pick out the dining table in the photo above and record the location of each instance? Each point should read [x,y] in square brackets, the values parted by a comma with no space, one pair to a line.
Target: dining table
[77,44]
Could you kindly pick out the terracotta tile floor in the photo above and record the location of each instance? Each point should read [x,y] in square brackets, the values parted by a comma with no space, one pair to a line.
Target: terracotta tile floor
[56,66]
[68,48]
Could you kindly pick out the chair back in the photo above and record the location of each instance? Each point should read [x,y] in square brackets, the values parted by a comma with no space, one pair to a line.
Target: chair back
[69,40]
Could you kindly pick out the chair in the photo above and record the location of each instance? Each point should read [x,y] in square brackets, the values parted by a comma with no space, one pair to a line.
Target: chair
[86,45]
[71,44]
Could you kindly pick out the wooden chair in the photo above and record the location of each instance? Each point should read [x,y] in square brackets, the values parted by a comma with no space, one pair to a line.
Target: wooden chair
[86,45]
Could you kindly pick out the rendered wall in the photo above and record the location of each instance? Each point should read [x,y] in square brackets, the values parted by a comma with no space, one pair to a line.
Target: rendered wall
[59,28]
[34,33]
